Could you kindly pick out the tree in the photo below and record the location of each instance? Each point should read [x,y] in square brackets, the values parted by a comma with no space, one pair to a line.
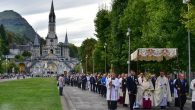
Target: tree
[4,41]
[7,66]
[118,36]
[19,58]
[86,51]
[190,16]
[26,54]
[153,23]
[73,51]
[103,33]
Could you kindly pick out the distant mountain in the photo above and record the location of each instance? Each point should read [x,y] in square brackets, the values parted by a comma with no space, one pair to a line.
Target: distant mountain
[15,23]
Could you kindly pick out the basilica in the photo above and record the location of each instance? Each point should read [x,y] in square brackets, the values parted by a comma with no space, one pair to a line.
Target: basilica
[53,57]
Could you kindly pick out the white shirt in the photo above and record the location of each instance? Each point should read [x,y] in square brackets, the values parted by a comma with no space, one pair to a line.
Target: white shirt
[61,81]
[193,89]
[112,91]
[140,80]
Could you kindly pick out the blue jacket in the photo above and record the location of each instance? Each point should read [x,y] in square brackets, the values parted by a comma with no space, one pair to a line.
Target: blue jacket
[103,81]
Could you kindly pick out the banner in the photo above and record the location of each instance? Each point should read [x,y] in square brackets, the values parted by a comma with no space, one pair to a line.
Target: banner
[153,54]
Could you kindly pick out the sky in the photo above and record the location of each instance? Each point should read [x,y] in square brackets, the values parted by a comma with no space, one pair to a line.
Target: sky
[75,16]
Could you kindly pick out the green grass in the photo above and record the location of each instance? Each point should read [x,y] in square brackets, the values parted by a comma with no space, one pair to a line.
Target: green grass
[30,94]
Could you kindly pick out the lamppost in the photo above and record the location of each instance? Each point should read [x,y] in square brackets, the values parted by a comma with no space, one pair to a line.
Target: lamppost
[105,46]
[93,62]
[129,64]
[189,42]
[86,63]
[6,64]
[81,67]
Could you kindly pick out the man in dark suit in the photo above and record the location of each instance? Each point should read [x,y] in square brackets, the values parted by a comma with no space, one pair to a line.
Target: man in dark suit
[92,83]
[84,81]
[132,88]
[182,89]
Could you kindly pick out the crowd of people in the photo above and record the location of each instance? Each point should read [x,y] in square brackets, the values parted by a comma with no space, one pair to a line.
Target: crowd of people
[136,91]
[14,76]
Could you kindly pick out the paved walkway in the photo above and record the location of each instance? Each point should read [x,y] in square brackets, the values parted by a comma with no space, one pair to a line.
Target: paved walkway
[3,80]
[76,99]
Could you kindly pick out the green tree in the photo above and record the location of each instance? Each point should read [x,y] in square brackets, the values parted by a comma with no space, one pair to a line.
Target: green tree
[103,33]
[4,41]
[73,51]
[26,54]
[153,23]
[19,58]
[189,22]
[118,36]
[86,51]
[190,16]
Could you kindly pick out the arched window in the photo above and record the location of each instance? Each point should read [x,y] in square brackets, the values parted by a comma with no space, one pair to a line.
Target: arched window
[51,51]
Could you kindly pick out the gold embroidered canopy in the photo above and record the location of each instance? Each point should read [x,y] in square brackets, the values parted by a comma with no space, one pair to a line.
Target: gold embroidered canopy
[153,54]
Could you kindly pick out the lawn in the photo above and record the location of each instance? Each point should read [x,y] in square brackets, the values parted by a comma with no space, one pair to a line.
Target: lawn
[30,94]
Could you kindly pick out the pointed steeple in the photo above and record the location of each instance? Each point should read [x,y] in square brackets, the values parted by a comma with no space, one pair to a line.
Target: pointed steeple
[52,7]
[66,39]
[52,14]
[36,40]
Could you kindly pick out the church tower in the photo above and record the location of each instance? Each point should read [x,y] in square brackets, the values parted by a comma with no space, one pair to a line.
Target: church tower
[52,19]
[66,48]
[52,39]
[36,47]
[51,46]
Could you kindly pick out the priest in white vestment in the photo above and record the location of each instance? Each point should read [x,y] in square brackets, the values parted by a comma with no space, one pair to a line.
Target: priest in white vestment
[140,90]
[162,93]
[145,90]
[112,85]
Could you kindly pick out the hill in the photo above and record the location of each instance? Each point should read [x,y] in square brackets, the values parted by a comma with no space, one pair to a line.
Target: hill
[15,23]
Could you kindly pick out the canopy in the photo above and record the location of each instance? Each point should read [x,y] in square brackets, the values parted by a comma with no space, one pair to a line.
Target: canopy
[153,54]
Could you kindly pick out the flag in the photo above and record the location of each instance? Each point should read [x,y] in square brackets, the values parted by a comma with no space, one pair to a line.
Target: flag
[186,1]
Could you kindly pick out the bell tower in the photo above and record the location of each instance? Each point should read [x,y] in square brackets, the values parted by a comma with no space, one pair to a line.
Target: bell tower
[52,19]
[52,39]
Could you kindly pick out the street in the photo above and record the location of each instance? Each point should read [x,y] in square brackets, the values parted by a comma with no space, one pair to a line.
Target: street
[77,99]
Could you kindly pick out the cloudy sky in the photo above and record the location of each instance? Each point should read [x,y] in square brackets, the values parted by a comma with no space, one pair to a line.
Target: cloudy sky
[77,16]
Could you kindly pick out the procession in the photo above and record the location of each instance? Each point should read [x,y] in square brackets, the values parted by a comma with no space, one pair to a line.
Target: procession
[97,55]
[137,90]
[142,91]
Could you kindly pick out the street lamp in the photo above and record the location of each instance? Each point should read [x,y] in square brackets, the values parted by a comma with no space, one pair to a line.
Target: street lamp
[86,63]
[6,64]
[93,61]
[105,45]
[81,68]
[189,44]
[129,64]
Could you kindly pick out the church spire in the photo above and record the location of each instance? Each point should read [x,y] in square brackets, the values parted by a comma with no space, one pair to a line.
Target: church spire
[52,7]
[52,14]
[66,39]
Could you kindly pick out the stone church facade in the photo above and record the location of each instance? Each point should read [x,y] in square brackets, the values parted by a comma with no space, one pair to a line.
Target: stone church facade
[52,46]
[52,57]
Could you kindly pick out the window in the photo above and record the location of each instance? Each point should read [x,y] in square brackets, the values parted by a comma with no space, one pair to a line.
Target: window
[51,51]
